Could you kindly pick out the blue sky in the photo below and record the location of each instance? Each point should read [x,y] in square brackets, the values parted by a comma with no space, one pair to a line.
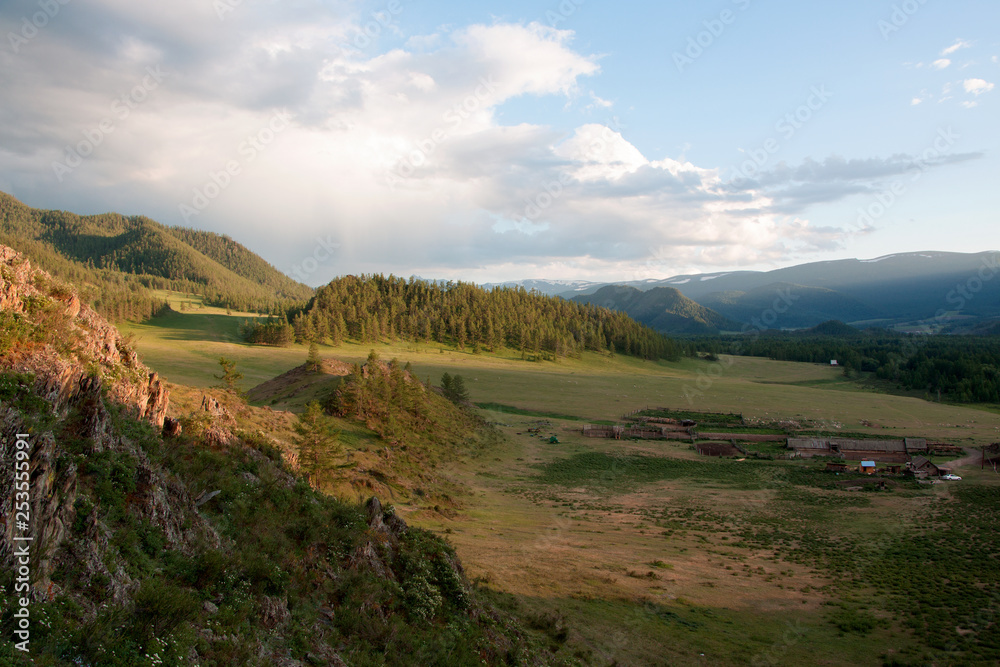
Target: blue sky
[512,140]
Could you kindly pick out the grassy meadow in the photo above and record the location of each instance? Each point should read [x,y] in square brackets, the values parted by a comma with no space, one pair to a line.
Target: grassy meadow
[640,553]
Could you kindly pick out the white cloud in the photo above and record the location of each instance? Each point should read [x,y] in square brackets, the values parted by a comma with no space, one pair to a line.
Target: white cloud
[599,102]
[959,44]
[977,86]
[915,101]
[478,195]
[941,63]
[969,104]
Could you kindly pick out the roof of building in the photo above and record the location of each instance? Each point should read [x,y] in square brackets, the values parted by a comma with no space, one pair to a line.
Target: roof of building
[867,464]
[870,445]
[808,443]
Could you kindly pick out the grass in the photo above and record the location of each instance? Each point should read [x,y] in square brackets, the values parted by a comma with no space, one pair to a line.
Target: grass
[766,562]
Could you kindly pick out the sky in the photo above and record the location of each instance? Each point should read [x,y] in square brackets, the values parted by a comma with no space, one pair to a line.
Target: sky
[555,139]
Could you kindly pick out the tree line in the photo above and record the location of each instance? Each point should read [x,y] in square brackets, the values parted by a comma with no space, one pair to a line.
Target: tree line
[374,308]
[963,369]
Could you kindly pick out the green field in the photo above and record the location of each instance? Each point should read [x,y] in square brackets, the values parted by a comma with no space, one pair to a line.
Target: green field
[635,553]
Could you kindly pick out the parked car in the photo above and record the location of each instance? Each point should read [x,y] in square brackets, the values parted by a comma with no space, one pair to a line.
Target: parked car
[951,477]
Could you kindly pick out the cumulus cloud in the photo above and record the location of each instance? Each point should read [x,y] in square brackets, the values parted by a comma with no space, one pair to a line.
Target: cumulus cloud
[941,63]
[977,86]
[288,126]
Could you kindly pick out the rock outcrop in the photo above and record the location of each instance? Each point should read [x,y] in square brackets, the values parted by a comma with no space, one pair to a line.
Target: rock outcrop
[80,363]
[71,340]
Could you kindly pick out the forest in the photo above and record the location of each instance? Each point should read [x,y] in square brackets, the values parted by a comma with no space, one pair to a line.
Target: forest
[963,369]
[374,308]
[119,261]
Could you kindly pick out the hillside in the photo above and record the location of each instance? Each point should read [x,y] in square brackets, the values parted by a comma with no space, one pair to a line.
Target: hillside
[798,306]
[200,545]
[662,308]
[376,308]
[833,329]
[121,257]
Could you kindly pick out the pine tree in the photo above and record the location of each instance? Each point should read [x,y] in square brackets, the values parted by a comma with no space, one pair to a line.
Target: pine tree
[314,363]
[229,376]
[318,442]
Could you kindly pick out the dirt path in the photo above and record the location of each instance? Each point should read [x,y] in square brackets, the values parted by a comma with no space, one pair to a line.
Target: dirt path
[973,457]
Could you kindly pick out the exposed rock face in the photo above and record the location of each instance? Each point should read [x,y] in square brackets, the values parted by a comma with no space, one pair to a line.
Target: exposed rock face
[59,375]
[172,427]
[384,531]
[77,368]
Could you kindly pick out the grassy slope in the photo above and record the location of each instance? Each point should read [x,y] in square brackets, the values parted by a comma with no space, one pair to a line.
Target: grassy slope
[578,547]
[185,347]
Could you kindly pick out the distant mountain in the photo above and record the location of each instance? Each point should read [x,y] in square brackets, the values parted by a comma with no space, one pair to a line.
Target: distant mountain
[895,289]
[788,306]
[662,308]
[550,287]
[112,251]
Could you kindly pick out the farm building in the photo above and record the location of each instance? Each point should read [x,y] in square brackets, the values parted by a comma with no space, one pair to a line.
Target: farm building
[867,467]
[915,444]
[921,467]
[808,447]
[837,467]
[881,451]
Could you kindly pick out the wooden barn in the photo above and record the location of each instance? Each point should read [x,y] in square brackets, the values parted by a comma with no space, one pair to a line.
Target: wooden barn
[921,467]
[867,467]
[809,447]
[881,451]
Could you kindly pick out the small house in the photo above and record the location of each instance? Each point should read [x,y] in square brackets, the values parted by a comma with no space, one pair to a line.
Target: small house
[921,467]
[867,467]
[833,362]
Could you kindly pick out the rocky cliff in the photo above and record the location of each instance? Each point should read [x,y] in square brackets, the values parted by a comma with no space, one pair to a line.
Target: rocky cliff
[64,344]
[65,370]
[194,543]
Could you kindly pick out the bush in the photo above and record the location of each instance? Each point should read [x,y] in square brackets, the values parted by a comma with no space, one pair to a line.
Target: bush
[161,607]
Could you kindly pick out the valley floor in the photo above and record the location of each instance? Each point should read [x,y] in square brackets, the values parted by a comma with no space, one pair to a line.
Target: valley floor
[639,553]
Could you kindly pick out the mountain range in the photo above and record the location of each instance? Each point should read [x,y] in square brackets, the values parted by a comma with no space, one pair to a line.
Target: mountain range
[124,259]
[948,292]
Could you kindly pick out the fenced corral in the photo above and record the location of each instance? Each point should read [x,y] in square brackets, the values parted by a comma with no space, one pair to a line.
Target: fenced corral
[716,449]
[743,437]
[944,448]
[601,431]
[647,432]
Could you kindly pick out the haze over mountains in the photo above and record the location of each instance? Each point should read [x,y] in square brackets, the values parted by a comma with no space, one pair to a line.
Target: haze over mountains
[129,256]
[907,290]
[133,254]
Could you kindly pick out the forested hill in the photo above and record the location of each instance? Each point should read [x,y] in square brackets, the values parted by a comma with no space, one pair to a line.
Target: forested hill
[371,308]
[662,308]
[122,258]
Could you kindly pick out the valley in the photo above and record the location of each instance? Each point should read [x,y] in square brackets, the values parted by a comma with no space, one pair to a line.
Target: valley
[645,552]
